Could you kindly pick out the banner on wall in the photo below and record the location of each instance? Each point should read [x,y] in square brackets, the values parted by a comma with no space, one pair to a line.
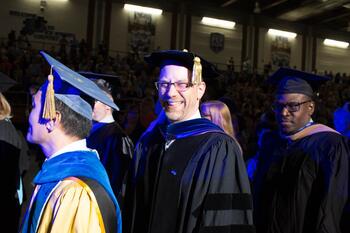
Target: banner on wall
[36,27]
[217,42]
[141,33]
[280,52]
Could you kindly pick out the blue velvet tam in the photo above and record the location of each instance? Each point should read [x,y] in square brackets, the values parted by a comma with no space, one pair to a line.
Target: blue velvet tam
[295,81]
[180,58]
[74,89]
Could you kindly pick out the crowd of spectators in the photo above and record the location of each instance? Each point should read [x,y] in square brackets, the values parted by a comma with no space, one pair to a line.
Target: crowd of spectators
[247,94]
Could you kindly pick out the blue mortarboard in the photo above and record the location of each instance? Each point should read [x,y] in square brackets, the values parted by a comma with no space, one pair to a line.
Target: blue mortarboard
[70,87]
[92,75]
[110,79]
[6,82]
[181,58]
[296,81]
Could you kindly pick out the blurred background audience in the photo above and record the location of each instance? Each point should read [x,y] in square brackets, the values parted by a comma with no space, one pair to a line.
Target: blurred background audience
[245,93]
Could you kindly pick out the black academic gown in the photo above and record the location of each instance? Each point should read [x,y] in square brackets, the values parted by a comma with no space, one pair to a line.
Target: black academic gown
[10,144]
[197,184]
[115,150]
[301,184]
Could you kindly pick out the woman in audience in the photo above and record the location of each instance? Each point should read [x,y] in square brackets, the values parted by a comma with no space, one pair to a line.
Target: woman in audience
[218,113]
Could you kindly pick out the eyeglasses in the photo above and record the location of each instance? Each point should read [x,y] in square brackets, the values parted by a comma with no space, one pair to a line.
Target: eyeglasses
[179,86]
[291,106]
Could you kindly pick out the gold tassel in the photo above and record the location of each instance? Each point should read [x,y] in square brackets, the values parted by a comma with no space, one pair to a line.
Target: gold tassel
[49,112]
[197,71]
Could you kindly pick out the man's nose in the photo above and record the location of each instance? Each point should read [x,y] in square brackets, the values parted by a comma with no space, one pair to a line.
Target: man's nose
[284,111]
[171,90]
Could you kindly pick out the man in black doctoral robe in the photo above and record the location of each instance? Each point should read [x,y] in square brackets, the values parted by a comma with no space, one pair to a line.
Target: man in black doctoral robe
[187,175]
[301,184]
[114,147]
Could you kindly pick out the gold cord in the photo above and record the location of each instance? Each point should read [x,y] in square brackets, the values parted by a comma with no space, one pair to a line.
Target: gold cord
[49,112]
[197,71]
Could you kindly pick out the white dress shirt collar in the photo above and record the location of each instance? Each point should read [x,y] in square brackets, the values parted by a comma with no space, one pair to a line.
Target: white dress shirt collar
[74,146]
[107,119]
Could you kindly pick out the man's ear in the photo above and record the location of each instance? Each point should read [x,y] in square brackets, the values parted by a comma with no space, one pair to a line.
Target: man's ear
[311,107]
[51,125]
[201,90]
[108,108]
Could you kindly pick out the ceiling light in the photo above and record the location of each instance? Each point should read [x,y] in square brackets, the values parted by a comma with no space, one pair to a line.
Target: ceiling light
[257,9]
[347,5]
[142,9]
[336,43]
[282,33]
[218,23]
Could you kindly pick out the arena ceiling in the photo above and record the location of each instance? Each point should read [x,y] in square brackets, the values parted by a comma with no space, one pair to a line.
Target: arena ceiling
[332,14]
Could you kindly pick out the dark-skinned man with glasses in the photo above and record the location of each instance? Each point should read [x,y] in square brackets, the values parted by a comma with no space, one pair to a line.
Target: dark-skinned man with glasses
[301,182]
[187,174]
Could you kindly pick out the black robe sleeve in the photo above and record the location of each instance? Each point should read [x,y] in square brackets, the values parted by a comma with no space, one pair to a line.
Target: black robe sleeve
[224,197]
[9,160]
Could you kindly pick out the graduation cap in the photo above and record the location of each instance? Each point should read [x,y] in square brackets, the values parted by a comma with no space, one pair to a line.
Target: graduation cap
[6,82]
[70,87]
[191,61]
[92,75]
[296,81]
[112,80]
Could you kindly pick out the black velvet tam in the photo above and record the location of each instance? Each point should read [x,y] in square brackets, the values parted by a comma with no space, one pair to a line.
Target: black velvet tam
[295,81]
[180,58]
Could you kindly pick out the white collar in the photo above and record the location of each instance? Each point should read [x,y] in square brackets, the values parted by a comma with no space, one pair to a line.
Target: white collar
[74,146]
[196,115]
[107,119]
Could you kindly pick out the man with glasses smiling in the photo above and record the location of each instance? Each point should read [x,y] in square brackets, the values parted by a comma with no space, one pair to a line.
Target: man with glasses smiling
[301,183]
[187,174]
